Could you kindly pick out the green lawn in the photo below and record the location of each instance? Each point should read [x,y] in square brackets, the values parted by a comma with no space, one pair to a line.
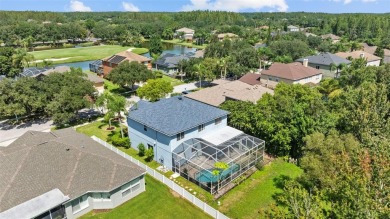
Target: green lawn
[173,81]
[98,129]
[184,43]
[83,53]
[158,201]
[256,192]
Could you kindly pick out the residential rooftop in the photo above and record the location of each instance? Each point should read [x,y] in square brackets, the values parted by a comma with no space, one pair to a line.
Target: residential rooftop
[234,90]
[126,55]
[292,71]
[359,54]
[174,115]
[330,36]
[326,58]
[250,78]
[39,162]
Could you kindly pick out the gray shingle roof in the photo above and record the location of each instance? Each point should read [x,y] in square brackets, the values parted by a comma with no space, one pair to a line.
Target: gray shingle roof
[39,162]
[169,60]
[325,59]
[174,115]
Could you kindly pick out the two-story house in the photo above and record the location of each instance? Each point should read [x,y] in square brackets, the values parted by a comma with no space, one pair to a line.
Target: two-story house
[189,137]
[185,33]
[111,62]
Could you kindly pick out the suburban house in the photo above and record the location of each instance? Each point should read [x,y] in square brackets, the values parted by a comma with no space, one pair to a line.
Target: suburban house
[223,36]
[250,78]
[126,56]
[63,174]
[231,90]
[189,137]
[310,34]
[98,83]
[291,28]
[324,62]
[188,34]
[372,49]
[331,37]
[168,62]
[292,73]
[372,60]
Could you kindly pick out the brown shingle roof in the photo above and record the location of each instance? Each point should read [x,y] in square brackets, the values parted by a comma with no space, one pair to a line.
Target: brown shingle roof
[38,162]
[331,36]
[369,49]
[229,35]
[130,56]
[292,71]
[357,54]
[237,90]
[251,78]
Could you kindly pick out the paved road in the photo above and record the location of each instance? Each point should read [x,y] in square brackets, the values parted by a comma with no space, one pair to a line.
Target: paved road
[8,133]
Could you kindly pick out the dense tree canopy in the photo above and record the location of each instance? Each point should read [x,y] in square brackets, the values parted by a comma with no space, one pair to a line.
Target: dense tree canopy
[128,73]
[155,89]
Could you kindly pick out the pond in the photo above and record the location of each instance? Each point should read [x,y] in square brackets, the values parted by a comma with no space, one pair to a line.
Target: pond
[167,48]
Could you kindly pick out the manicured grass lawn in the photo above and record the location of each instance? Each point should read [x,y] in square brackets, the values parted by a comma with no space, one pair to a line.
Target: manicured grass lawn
[184,43]
[173,81]
[98,129]
[83,53]
[156,202]
[256,192]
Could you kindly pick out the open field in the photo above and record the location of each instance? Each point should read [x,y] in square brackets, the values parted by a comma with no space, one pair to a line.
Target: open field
[158,201]
[82,53]
[256,192]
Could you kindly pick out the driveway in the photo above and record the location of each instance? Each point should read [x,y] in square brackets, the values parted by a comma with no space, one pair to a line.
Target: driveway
[184,87]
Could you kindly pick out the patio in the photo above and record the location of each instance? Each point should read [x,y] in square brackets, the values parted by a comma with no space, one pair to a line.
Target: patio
[195,158]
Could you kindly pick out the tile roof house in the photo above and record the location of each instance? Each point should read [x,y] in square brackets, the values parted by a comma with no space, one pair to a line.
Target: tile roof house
[222,36]
[183,131]
[250,78]
[111,62]
[324,62]
[63,174]
[291,28]
[372,49]
[332,37]
[188,34]
[371,59]
[232,90]
[291,73]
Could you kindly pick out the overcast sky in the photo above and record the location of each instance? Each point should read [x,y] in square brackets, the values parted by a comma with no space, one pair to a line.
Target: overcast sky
[330,6]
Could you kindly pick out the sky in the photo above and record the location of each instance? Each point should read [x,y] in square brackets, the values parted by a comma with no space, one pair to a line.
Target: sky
[328,6]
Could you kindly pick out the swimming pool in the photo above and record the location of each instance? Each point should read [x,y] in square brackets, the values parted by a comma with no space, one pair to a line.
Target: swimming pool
[207,175]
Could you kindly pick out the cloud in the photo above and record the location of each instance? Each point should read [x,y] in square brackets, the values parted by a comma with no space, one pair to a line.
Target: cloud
[235,5]
[349,1]
[127,6]
[78,6]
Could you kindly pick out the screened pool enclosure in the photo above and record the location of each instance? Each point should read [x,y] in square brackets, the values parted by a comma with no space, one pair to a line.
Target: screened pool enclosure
[195,160]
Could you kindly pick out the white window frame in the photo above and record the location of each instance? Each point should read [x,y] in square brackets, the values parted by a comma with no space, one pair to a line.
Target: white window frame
[99,197]
[131,188]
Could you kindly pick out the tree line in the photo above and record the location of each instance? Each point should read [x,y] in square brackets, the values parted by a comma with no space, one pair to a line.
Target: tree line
[339,133]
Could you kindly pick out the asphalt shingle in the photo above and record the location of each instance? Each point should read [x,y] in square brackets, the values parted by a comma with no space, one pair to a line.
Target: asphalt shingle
[174,115]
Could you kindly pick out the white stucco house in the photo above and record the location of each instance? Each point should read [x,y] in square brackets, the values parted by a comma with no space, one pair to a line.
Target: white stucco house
[372,60]
[291,73]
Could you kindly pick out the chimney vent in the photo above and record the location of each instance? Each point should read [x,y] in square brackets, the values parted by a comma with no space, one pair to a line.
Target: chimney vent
[362,55]
[305,62]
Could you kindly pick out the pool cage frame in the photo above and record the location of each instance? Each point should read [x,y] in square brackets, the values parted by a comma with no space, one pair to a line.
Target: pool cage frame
[194,159]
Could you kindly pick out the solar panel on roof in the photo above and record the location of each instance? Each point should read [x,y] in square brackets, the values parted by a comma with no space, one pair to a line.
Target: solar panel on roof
[116,59]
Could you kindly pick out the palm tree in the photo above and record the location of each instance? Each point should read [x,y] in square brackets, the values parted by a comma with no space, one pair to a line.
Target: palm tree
[223,63]
[199,69]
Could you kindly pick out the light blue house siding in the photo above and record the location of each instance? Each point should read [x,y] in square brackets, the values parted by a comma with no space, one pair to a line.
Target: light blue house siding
[162,144]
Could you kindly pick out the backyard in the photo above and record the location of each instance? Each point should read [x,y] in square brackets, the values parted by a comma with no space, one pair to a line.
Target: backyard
[244,201]
[83,53]
[256,193]
[158,201]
